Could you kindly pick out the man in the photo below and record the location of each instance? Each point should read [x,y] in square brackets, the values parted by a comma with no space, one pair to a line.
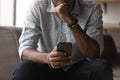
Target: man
[51,21]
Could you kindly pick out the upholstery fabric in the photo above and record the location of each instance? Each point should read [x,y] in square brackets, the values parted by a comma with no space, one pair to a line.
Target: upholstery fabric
[8,51]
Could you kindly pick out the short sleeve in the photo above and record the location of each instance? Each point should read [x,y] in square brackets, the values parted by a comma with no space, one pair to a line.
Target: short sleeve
[31,30]
[95,26]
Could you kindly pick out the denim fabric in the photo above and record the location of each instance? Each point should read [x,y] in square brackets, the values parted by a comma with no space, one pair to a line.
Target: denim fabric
[97,69]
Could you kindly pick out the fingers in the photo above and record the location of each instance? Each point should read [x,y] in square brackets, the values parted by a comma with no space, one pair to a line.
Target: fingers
[55,49]
[63,12]
[59,59]
[59,9]
[56,65]
[59,64]
[58,54]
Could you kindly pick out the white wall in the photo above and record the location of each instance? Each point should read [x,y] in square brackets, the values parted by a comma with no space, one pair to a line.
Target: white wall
[0,11]
[6,12]
[21,8]
[112,16]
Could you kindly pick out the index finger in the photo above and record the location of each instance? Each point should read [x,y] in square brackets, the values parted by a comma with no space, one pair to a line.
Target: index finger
[57,54]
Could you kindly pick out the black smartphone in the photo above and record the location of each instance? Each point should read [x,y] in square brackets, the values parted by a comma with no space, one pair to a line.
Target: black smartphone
[65,47]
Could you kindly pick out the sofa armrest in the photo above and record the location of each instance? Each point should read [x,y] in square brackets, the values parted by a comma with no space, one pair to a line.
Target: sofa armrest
[8,50]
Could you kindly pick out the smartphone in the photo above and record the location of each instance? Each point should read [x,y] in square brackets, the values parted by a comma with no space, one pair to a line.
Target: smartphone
[65,47]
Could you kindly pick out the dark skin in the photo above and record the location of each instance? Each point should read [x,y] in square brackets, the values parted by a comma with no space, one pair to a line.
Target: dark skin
[88,46]
[59,11]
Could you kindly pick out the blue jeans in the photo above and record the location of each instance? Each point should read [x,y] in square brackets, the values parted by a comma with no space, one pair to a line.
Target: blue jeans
[97,69]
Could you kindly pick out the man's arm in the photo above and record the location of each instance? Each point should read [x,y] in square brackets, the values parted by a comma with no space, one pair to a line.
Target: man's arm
[88,46]
[29,38]
[34,56]
[55,59]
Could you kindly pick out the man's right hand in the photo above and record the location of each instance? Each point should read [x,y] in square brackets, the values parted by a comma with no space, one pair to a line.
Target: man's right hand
[58,59]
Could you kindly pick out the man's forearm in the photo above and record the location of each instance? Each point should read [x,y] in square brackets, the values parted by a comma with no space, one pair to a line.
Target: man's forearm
[88,46]
[35,56]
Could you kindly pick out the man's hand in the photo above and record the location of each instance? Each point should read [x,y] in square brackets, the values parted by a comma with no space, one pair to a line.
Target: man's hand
[58,59]
[63,12]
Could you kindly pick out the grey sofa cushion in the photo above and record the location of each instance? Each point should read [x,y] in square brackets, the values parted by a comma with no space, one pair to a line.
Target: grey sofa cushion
[8,51]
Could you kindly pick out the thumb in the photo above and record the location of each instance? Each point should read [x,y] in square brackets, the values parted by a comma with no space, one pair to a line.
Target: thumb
[55,49]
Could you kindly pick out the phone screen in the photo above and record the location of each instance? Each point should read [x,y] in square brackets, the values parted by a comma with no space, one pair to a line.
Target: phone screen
[65,47]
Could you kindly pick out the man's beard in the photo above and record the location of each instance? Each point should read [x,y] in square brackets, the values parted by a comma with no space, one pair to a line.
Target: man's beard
[68,2]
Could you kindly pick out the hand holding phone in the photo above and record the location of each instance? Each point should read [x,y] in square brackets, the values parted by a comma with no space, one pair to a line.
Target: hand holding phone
[57,59]
[65,47]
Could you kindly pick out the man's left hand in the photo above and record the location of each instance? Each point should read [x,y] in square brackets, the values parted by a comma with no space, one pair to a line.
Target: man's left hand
[63,12]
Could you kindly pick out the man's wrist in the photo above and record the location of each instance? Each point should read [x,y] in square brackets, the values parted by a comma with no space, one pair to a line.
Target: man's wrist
[68,20]
[73,24]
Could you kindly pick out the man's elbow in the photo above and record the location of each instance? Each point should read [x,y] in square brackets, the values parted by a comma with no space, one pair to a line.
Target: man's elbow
[94,53]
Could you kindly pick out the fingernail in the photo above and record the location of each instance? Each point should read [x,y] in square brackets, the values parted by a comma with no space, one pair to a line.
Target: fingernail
[65,54]
[69,56]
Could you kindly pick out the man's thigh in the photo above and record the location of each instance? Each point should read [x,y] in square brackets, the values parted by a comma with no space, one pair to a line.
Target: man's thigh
[26,70]
[97,69]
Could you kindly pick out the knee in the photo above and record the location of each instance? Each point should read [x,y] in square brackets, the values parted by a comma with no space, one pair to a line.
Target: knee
[23,66]
[101,69]
[101,64]
[22,70]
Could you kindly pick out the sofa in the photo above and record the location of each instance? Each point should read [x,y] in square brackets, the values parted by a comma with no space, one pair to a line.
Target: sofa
[9,50]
